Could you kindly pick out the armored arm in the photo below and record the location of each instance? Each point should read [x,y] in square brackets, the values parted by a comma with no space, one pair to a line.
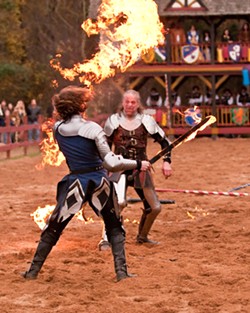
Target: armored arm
[111,161]
[158,134]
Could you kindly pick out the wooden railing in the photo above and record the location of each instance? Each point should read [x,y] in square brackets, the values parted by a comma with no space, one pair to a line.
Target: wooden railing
[230,120]
[10,138]
[234,52]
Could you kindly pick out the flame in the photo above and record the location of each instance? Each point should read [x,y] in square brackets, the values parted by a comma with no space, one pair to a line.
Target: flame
[198,212]
[41,215]
[211,120]
[127,220]
[51,155]
[127,29]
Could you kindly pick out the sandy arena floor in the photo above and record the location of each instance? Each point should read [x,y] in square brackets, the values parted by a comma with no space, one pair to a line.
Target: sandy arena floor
[202,264]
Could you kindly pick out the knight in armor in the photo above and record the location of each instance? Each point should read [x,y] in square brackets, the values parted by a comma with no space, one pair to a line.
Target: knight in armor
[89,159]
[127,132]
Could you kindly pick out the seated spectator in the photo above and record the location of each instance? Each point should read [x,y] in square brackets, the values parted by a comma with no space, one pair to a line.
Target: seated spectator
[154,99]
[208,99]
[196,98]
[9,109]
[226,36]
[244,39]
[242,97]
[227,97]
[175,98]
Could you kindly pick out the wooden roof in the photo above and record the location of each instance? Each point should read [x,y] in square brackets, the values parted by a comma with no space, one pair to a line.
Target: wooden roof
[211,8]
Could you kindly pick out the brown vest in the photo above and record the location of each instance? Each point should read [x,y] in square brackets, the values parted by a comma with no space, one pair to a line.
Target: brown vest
[131,144]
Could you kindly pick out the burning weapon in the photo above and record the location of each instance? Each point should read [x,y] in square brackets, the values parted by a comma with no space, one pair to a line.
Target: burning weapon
[190,134]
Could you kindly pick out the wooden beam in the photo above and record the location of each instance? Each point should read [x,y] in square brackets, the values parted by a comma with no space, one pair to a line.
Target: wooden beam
[206,81]
[221,81]
[160,81]
[176,82]
[135,82]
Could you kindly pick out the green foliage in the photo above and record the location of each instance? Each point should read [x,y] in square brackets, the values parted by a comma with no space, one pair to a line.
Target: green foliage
[7,5]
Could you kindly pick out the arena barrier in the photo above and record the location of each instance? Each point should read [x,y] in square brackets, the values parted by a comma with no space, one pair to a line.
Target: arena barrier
[204,192]
[13,137]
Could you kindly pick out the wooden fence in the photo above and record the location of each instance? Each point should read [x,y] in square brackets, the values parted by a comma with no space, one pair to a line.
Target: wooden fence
[230,120]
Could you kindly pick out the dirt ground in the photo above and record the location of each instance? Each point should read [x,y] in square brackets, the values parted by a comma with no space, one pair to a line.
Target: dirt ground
[202,264]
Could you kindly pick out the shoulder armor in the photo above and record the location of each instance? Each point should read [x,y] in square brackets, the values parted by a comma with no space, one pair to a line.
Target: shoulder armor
[111,124]
[71,127]
[90,130]
[151,126]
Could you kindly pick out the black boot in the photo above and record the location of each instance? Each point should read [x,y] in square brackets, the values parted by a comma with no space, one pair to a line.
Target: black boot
[117,244]
[42,251]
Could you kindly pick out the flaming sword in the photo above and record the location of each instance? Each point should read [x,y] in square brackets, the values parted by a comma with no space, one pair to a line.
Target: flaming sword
[190,134]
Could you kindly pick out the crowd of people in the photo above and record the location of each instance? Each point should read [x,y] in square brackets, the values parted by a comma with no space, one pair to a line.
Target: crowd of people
[19,114]
[228,47]
[197,98]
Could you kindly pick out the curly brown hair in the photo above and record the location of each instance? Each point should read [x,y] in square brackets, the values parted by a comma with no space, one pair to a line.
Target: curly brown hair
[71,100]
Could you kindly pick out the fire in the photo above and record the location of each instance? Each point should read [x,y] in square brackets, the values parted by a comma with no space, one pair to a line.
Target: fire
[51,155]
[127,29]
[41,215]
[127,220]
[211,120]
[197,212]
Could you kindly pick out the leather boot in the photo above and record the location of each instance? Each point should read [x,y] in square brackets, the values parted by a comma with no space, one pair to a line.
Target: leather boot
[42,251]
[145,225]
[117,245]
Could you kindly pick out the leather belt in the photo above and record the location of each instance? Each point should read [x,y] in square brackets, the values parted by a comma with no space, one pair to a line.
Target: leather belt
[87,170]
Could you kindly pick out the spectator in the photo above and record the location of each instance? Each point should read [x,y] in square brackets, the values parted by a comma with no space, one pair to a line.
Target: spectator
[208,99]
[196,98]
[242,97]
[18,117]
[175,99]
[226,39]
[226,36]
[244,39]
[154,99]
[2,120]
[227,97]
[193,37]
[177,39]
[206,46]
[33,113]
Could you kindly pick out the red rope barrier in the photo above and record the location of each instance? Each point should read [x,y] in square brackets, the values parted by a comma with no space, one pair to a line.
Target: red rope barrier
[204,192]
